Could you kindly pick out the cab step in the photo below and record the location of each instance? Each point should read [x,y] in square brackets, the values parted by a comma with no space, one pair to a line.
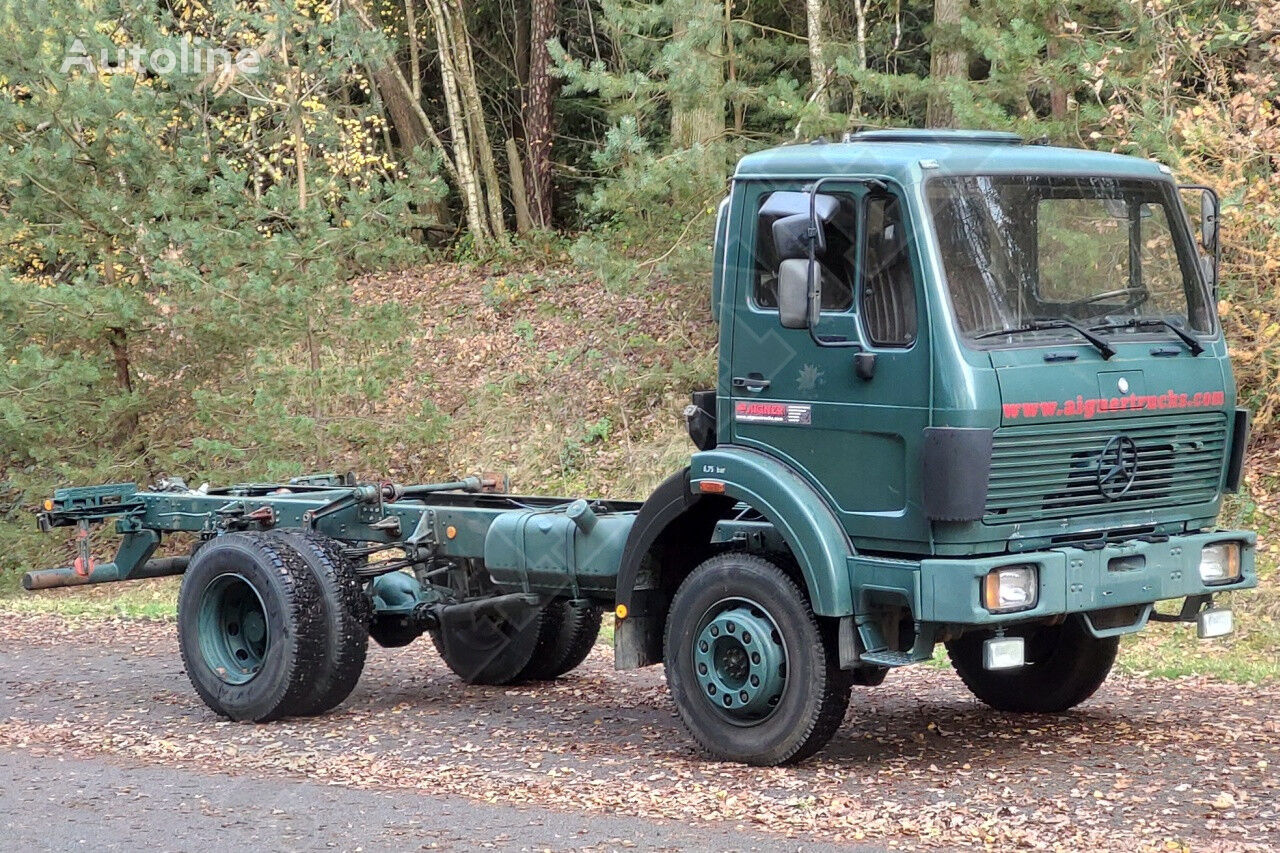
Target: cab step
[887,657]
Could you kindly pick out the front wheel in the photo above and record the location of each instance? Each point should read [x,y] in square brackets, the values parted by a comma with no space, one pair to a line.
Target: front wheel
[1065,665]
[752,672]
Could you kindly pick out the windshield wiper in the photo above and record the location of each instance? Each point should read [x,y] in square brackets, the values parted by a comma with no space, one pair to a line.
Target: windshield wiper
[1045,325]
[1140,322]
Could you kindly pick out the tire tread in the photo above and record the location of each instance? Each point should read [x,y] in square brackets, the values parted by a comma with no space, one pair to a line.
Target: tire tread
[565,639]
[348,613]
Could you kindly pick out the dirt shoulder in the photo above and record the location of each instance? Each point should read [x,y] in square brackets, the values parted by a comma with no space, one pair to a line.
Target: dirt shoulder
[1147,764]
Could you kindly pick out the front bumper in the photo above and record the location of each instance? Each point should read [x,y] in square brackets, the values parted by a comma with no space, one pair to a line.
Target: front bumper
[1079,580]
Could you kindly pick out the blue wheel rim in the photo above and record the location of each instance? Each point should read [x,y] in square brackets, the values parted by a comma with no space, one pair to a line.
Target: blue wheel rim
[233,629]
[740,661]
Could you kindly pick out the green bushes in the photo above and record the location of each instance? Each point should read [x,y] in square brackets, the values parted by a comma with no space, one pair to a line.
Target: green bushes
[176,247]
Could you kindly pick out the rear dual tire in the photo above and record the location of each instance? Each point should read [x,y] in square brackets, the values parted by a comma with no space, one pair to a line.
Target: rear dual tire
[347,614]
[519,642]
[272,625]
[568,634]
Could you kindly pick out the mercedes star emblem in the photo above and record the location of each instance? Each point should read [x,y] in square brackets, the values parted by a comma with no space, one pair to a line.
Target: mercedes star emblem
[1117,467]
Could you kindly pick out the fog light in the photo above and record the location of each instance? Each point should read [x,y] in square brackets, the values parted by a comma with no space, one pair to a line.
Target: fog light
[1004,653]
[1011,588]
[1220,563]
[1216,622]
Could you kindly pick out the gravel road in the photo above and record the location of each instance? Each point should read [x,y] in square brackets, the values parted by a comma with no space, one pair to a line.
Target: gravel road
[104,745]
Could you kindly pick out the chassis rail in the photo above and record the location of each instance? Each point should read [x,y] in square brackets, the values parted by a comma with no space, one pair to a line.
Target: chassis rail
[427,522]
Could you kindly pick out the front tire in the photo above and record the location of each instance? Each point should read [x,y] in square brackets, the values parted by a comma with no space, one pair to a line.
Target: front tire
[251,627]
[753,673]
[1065,665]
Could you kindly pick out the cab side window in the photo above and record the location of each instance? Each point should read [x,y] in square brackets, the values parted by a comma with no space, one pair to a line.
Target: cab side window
[888,299]
[837,263]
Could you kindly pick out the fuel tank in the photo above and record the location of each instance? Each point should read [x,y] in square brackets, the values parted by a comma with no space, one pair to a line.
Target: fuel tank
[568,550]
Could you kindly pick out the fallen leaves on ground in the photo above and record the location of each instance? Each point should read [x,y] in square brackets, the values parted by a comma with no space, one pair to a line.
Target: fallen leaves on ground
[1146,765]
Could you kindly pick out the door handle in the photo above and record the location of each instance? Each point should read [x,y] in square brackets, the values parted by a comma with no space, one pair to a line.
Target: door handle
[752,382]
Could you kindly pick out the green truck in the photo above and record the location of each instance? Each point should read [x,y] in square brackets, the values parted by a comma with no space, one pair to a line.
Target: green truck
[971,391]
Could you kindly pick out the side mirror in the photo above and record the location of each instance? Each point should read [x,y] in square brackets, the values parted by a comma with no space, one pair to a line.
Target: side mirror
[1208,230]
[1209,221]
[793,293]
[791,237]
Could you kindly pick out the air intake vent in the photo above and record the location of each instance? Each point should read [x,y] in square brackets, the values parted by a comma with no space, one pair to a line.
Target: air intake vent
[1051,471]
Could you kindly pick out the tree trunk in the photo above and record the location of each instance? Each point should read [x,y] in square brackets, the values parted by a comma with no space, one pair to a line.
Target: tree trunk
[815,11]
[520,201]
[118,341]
[478,223]
[538,121]
[949,60]
[404,121]
[731,68]
[1057,92]
[390,81]
[479,133]
[415,61]
[520,49]
[697,101]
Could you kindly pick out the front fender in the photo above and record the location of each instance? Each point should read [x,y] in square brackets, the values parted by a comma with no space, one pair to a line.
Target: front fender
[817,540]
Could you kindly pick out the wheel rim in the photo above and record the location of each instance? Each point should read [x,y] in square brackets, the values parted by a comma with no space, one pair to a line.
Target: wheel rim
[740,661]
[233,628]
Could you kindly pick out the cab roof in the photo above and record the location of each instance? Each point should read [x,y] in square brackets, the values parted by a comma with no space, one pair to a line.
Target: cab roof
[907,155]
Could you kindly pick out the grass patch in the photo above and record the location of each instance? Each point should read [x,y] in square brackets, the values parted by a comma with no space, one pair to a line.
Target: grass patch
[1251,655]
[939,659]
[155,599]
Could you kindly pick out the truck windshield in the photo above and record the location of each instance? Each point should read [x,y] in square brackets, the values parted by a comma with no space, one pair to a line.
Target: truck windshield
[1100,252]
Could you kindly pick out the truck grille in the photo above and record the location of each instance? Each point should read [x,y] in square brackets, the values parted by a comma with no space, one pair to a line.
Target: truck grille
[1041,472]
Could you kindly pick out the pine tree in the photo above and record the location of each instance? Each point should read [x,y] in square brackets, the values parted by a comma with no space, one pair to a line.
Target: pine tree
[175,245]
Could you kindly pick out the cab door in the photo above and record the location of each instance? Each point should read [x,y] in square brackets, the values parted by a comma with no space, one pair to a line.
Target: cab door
[847,410]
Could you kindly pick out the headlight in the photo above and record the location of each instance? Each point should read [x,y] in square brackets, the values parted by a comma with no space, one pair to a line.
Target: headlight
[1010,588]
[1220,563]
